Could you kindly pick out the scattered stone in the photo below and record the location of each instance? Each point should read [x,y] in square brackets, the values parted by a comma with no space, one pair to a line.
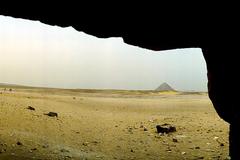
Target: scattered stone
[183,153]
[33,149]
[197,147]
[10,89]
[95,142]
[199,158]
[175,140]
[19,143]
[168,149]
[52,114]
[145,129]
[165,128]
[74,97]
[132,150]
[31,108]
[215,138]
[221,144]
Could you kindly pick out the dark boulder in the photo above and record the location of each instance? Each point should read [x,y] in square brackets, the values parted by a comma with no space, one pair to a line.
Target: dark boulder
[165,128]
[31,108]
[52,114]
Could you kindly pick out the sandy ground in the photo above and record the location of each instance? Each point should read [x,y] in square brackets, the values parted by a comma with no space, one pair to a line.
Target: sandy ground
[95,124]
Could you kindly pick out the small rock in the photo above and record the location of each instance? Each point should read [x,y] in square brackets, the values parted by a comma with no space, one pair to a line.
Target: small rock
[52,114]
[95,142]
[221,144]
[183,153]
[169,149]
[165,128]
[197,147]
[175,140]
[31,108]
[34,149]
[145,129]
[215,138]
[74,97]
[19,143]
[132,150]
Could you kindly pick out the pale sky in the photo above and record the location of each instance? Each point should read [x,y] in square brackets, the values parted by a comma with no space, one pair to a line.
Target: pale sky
[35,54]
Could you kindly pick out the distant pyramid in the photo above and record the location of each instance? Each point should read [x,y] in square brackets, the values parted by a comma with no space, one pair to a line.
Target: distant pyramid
[164,87]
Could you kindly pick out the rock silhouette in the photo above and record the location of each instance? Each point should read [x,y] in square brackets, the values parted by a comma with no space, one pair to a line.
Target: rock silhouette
[165,128]
[52,114]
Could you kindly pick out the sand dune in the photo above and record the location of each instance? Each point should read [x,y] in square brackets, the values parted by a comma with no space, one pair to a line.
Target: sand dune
[108,124]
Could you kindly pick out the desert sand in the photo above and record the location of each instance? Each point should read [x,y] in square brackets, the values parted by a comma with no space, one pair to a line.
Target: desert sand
[108,124]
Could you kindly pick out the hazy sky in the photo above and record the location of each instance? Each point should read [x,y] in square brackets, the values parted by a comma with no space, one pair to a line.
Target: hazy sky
[32,53]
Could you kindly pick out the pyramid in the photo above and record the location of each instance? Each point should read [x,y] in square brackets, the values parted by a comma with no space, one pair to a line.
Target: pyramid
[164,87]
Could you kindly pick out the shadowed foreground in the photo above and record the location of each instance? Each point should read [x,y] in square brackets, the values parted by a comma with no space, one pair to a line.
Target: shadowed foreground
[108,124]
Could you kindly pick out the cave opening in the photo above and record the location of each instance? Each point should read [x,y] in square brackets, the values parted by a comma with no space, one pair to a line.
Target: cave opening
[104,93]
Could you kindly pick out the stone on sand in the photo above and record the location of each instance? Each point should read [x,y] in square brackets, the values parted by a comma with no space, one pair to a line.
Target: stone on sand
[31,108]
[165,128]
[52,114]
